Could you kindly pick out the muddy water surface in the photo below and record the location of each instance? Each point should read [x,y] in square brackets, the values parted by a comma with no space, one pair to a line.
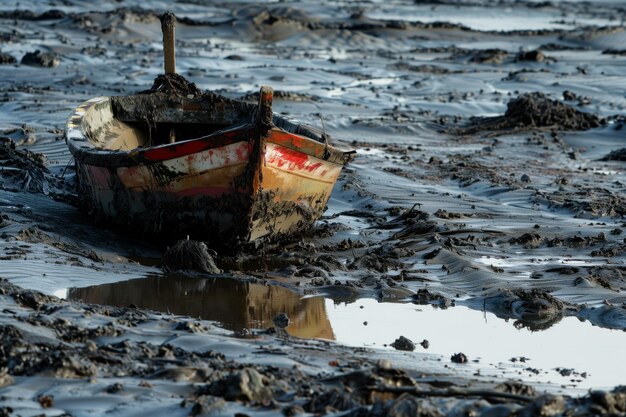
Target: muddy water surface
[571,353]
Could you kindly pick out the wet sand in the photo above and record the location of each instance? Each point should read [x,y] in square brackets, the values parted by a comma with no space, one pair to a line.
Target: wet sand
[488,175]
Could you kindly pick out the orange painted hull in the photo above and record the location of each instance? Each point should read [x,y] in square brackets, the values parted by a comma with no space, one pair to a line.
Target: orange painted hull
[233,188]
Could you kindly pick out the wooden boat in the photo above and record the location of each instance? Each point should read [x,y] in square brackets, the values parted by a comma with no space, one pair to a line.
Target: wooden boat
[175,162]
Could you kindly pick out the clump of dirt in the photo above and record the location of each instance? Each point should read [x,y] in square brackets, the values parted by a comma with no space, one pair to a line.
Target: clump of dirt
[459,358]
[189,255]
[403,343]
[22,169]
[534,56]
[174,84]
[245,385]
[489,56]
[7,59]
[534,309]
[41,59]
[528,240]
[610,250]
[424,296]
[617,155]
[535,110]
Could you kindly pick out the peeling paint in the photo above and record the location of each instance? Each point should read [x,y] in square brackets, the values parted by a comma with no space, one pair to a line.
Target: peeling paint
[242,185]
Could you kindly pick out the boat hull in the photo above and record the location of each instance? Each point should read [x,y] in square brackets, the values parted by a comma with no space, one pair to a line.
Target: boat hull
[233,189]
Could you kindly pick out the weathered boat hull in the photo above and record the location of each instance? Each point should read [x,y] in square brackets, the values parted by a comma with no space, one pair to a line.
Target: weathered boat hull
[235,187]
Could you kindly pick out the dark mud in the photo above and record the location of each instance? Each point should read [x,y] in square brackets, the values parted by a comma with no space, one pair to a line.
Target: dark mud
[215,382]
[617,155]
[534,111]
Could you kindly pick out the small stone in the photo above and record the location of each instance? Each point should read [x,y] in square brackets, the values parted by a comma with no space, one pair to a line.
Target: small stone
[459,358]
[41,59]
[281,321]
[525,178]
[535,55]
[402,343]
[115,388]
[569,96]
[46,401]
[425,344]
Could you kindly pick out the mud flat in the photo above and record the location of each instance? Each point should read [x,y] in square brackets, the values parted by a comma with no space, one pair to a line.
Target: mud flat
[490,179]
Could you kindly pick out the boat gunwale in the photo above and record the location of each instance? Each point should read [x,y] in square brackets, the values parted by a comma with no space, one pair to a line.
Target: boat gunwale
[84,151]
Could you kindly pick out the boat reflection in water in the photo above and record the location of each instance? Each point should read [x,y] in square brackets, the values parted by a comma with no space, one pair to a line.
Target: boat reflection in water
[235,304]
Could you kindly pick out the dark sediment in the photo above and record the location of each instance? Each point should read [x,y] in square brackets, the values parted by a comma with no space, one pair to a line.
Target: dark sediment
[617,155]
[7,59]
[189,255]
[174,84]
[41,59]
[532,111]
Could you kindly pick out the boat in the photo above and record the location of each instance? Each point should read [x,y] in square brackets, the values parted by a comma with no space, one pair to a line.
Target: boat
[175,162]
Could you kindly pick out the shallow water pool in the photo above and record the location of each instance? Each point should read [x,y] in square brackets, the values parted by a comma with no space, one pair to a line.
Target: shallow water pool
[571,353]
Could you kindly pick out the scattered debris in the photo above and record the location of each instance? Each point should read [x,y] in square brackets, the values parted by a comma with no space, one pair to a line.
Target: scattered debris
[189,255]
[402,343]
[41,59]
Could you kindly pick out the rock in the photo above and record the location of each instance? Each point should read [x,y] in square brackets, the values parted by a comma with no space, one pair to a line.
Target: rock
[459,358]
[40,59]
[46,401]
[402,343]
[115,388]
[189,255]
[569,96]
[425,344]
[524,178]
[281,321]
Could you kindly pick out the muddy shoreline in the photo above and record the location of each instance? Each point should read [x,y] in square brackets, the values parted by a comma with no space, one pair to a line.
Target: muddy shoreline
[142,351]
[490,175]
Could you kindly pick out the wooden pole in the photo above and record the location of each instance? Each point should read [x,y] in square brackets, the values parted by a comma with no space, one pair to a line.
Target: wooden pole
[168,26]
[264,115]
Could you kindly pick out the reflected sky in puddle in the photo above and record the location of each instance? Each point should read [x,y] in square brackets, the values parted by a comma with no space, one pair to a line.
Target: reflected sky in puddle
[237,305]
[593,353]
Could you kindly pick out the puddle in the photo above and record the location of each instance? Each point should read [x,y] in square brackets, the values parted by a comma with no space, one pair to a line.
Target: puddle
[236,305]
[570,353]
[586,355]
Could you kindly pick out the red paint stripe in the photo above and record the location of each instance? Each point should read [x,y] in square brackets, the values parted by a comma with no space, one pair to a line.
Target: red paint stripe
[291,160]
[177,150]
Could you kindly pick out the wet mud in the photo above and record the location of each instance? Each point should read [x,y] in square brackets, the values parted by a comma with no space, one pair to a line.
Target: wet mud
[490,175]
[532,111]
[47,342]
